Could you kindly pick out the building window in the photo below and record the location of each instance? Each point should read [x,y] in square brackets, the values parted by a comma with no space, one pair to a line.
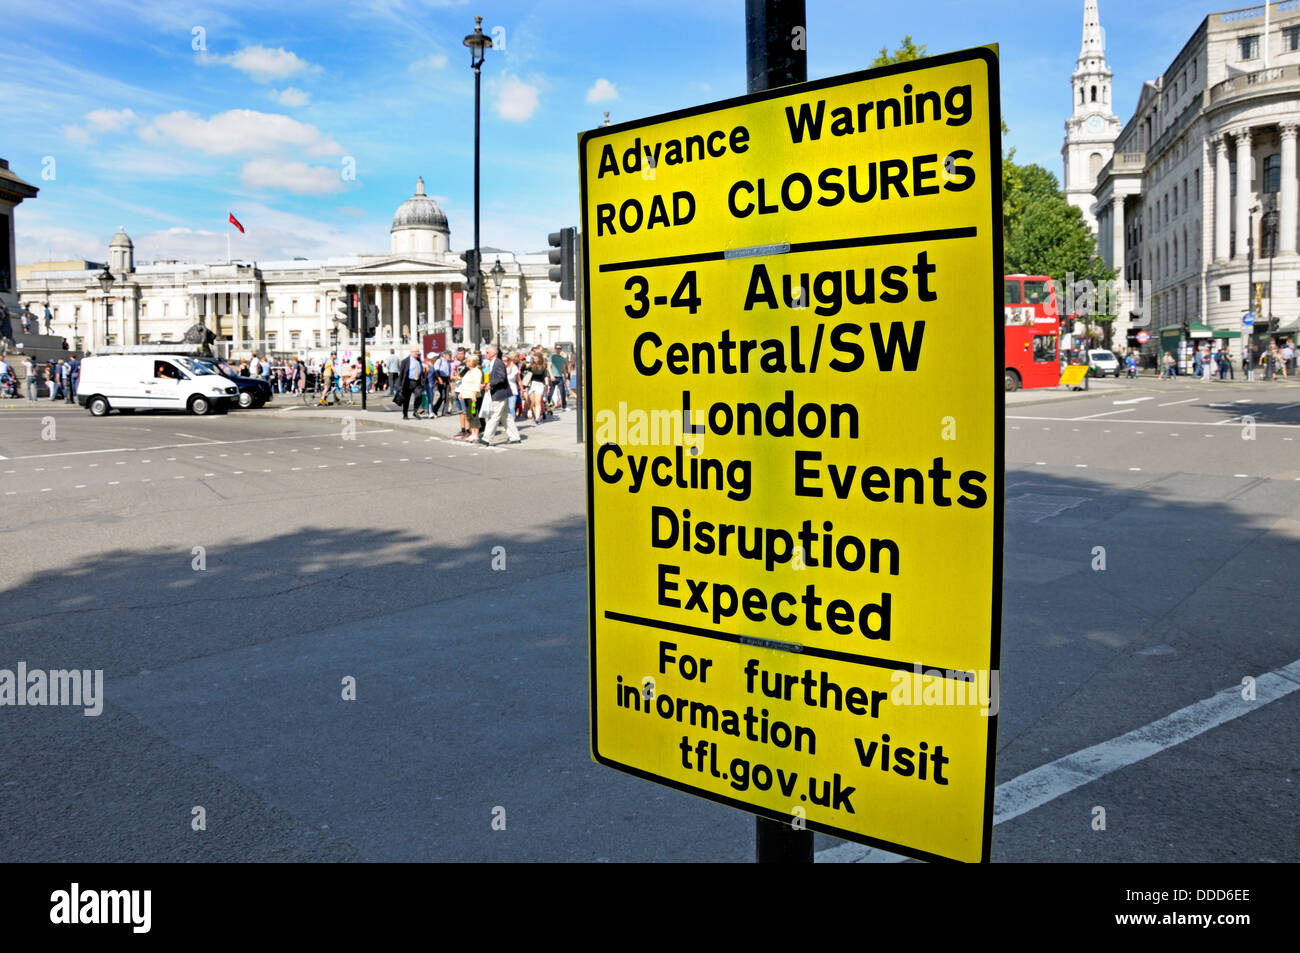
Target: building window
[295,338]
[144,309]
[164,309]
[1248,47]
[1291,38]
[1094,94]
[1225,292]
[1272,173]
[293,306]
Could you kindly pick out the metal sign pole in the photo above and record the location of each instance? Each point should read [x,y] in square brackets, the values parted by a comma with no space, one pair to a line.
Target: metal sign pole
[776,54]
[577,344]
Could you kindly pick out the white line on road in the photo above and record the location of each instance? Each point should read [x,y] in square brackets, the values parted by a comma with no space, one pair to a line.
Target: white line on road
[171,446]
[1135,400]
[1187,401]
[1130,420]
[1044,784]
[1127,410]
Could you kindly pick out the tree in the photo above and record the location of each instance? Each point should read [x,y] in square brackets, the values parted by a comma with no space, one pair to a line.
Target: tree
[906,52]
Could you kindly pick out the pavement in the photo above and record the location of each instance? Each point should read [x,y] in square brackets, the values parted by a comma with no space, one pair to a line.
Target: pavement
[558,432]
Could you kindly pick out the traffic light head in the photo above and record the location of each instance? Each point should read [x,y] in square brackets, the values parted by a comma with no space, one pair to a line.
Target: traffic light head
[347,313]
[561,256]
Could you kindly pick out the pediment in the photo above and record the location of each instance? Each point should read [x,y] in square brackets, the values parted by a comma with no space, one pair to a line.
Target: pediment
[399,264]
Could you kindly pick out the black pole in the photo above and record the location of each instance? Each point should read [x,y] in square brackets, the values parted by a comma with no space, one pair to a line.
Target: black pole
[363,322]
[776,49]
[776,54]
[1250,286]
[577,344]
[478,291]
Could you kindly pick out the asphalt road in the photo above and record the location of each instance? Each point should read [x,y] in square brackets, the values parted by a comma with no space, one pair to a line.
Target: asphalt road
[370,556]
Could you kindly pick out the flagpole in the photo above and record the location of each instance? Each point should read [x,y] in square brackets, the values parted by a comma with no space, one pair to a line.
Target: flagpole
[227,241]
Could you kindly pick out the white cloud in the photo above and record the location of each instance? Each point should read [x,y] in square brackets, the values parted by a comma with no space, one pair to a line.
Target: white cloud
[109,120]
[296,177]
[262,63]
[239,132]
[434,61]
[290,96]
[77,135]
[516,99]
[602,91]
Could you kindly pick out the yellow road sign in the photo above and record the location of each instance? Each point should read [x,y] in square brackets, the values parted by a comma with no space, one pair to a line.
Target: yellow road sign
[794,377]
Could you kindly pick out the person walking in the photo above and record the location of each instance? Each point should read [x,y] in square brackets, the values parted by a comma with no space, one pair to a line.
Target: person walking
[49,320]
[410,371]
[33,376]
[468,390]
[501,399]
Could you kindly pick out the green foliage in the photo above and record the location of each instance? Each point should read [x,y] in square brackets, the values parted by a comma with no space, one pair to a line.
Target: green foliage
[906,52]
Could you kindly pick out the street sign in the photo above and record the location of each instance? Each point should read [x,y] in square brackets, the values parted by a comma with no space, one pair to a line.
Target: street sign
[1143,337]
[793,312]
[1248,319]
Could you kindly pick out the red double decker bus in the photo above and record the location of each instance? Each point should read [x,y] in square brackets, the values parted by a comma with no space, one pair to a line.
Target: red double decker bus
[1030,333]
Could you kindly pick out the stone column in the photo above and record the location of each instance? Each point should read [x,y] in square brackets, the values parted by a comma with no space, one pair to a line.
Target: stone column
[1222,199]
[1243,192]
[415,314]
[1286,240]
[1120,333]
[430,314]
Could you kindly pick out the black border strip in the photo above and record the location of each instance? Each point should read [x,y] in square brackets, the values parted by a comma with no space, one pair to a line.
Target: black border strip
[863,241]
[995,372]
[872,660]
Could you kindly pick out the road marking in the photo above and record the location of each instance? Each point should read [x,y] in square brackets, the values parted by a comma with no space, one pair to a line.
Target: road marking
[1181,423]
[114,482]
[1283,407]
[80,486]
[1244,476]
[1135,468]
[1135,400]
[1081,464]
[1173,402]
[1045,784]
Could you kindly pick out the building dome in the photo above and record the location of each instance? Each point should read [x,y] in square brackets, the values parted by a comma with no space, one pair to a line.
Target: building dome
[420,226]
[121,253]
[420,211]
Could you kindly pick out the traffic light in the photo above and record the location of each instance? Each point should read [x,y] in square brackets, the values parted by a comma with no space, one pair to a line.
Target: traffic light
[473,279]
[347,313]
[562,254]
[1273,325]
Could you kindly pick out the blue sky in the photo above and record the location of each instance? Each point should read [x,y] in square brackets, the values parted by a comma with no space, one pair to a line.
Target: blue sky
[162,117]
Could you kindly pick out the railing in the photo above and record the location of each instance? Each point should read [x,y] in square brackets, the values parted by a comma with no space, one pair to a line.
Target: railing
[1129,161]
[1250,82]
[1254,13]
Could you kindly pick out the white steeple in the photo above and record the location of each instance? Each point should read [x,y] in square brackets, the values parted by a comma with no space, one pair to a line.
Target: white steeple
[1092,128]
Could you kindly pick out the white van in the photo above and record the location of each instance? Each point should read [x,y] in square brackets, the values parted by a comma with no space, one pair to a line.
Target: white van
[152,382]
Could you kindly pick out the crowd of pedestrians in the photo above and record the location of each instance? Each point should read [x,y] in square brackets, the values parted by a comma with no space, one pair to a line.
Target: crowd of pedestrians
[59,377]
[1277,361]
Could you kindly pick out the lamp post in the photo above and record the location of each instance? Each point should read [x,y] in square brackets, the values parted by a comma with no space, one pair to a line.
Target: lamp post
[479,43]
[105,279]
[498,275]
[1250,287]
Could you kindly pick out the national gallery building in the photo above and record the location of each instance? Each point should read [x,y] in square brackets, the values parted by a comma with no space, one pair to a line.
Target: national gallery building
[289,307]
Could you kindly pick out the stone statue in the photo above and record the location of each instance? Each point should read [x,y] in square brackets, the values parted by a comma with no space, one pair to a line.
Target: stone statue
[200,336]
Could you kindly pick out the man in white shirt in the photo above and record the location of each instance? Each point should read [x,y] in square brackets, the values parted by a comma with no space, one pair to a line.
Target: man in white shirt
[499,391]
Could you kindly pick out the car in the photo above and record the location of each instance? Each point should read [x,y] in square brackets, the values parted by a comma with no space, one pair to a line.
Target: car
[130,382]
[1103,363]
[253,391]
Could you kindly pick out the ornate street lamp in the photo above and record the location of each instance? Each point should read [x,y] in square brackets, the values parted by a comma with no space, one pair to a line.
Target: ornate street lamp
[498,275]
[106,280]
[479,43]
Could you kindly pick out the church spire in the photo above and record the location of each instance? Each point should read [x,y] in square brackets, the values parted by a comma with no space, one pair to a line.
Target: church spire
[1092,47]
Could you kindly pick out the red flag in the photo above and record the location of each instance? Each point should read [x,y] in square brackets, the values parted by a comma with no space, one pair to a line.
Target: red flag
[235,222]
